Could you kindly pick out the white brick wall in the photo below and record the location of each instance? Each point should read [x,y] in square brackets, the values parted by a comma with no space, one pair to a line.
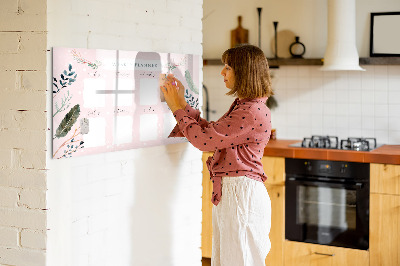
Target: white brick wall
[33,239]
[9,197]
[135,207]
[9,237]
[23,132]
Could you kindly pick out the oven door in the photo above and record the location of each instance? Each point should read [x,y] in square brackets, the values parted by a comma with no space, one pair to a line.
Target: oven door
[327,213]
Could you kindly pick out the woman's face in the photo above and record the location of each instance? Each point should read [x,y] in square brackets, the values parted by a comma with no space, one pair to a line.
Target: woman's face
[229,76]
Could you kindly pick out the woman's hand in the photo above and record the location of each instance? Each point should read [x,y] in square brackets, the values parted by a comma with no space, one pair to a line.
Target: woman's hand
[172,94]
[181,91]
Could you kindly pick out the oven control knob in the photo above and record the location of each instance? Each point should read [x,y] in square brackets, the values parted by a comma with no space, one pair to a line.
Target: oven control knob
[343,168]
[308,166]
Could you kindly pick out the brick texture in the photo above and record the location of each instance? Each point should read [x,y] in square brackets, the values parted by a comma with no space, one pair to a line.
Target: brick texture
[10,42]
[23,62]
[33,199]
[17,256]
[22,119]
[23,178]
[9,237]
[8,197]
[23,218]
[22,139]
[33,239]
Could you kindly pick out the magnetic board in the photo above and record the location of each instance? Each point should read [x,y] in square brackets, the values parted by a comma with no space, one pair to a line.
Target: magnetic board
[108,100]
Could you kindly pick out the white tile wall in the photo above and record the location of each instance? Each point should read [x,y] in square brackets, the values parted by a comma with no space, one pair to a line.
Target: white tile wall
[312,102]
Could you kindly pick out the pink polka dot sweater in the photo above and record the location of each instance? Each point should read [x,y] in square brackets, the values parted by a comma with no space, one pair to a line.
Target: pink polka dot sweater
[238,139]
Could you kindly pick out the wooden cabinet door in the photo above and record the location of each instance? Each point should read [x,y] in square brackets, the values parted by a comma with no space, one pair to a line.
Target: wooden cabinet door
[277,233]
[274,168]
[385,178]
[206,226]
[384,236]
[305,254]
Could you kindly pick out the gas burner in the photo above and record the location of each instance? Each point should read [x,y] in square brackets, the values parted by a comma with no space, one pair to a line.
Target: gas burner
[332,142]
[327,142]
[358,144]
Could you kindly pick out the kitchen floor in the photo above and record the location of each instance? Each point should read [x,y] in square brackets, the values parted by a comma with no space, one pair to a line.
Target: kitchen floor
[206,261]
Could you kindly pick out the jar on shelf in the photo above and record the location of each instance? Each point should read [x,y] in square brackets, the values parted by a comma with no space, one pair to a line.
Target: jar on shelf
[297,49]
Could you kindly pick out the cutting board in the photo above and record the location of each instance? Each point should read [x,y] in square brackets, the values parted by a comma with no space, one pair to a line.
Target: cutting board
[239,35]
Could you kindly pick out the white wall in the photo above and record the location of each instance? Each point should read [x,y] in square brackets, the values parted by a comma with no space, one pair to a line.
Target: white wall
[305,18]
[136,207]
[23,133]
[311,102]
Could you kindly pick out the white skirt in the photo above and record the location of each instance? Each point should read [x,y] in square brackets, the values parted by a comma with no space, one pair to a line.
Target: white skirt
[241,223]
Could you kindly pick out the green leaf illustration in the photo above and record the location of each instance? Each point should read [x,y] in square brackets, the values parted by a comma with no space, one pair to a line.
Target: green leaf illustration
[189,81]
[70,67]
[68,121]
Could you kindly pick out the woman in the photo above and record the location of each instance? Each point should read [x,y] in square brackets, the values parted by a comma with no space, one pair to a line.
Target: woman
[242,208]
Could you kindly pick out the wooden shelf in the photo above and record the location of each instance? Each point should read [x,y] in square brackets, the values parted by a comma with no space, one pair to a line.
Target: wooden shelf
[380,61]
[295,62]
[273,63]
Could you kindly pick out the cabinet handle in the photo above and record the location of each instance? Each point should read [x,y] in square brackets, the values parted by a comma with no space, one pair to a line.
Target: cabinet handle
[325,254]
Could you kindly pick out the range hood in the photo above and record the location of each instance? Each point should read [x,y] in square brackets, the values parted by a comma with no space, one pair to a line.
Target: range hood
[341,51]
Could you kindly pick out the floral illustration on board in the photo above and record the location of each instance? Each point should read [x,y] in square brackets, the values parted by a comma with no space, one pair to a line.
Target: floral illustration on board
[109,100]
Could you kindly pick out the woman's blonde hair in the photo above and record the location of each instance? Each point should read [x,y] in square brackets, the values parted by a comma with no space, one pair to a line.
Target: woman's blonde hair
[250,66]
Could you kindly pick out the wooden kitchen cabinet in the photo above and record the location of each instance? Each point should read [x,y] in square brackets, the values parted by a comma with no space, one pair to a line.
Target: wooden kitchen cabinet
[274,168]
[385,178]
[384,236]
[305,254]
[277,233]
[206,225]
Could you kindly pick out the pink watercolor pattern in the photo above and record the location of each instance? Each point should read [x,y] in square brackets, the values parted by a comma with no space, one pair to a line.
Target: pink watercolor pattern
[118,95]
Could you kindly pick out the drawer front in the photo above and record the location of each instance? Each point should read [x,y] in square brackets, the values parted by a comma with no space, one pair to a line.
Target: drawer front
[298,253]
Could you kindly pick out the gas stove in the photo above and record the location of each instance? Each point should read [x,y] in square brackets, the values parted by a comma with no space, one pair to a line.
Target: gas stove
[332,142]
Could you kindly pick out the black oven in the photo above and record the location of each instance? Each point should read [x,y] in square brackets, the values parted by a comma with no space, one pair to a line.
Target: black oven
[327,202]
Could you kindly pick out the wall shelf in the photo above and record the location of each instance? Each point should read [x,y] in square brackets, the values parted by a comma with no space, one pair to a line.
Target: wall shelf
[274,63]
[380,61]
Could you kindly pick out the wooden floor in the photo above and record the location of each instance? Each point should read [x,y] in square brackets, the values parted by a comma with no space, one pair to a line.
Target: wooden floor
[206,261]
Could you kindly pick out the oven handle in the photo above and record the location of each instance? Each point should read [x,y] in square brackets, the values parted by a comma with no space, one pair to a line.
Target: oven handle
[357,185]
